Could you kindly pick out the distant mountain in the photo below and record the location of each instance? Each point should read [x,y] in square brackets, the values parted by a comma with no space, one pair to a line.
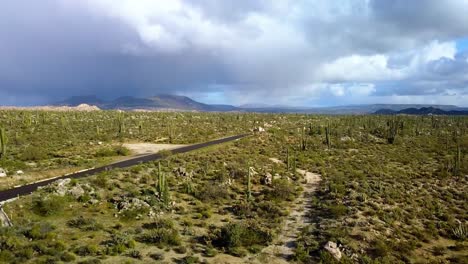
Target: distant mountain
[183,103]
[77,100]
[347,109]
[421,111]
[158,102]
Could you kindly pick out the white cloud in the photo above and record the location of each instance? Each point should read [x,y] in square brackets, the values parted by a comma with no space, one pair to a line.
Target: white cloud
[285,50]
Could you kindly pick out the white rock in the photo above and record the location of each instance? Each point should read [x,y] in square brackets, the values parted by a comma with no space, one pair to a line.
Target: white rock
[2,173]
[333,249]
[19,172]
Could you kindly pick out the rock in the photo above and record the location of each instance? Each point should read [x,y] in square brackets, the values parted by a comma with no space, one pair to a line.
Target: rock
[130,204]
[333,249]
[76,191]
[19,172]
[277,176]
[182,172]
[2,173]
[93,201]
[61,186]
[267,179]
[259,129]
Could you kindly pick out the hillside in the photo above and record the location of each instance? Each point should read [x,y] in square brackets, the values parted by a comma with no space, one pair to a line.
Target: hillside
[421,111]
[158,102]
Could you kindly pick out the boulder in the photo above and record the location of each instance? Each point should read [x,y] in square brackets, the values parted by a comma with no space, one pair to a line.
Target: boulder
[182,172]
[267,179]
[2,173]
[259,129]
[61,186]
[76,191]
[19,172]
[333,249]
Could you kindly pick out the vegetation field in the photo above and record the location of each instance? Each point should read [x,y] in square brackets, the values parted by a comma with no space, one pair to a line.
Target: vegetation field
[392,189]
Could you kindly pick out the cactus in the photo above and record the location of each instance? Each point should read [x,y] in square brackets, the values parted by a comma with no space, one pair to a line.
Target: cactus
[327,136]
[249,184]
[303,141]
[458,160]
[3,142]
[392,130]
[311,131]
[287,159]
[120,121]
[162,187]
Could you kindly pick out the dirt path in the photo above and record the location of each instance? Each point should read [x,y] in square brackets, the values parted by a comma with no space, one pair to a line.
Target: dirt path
[283,247]
[147,148]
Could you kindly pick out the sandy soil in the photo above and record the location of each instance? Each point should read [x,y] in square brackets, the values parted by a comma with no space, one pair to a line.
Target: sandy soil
[148,148]
[284,245]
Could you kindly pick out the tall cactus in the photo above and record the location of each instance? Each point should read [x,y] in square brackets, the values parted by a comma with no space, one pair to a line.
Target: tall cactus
[3,142]
[303,141]
[392,130]
[327,136]
[458,160]
[160,186]
[287,159]
[249,184]
[120,122]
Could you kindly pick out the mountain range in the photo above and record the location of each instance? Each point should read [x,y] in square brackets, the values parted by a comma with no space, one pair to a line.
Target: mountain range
[421,111]
[183,103]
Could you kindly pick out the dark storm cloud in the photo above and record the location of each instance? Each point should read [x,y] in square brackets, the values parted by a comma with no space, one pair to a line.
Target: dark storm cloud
[248,50]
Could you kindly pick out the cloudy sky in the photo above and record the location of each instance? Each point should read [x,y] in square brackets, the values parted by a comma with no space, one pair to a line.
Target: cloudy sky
[303,53]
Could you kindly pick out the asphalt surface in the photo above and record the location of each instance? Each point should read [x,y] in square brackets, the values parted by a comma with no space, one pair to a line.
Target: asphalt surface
[29,188]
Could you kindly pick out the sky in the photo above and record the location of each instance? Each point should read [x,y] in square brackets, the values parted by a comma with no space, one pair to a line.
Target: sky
[282,52]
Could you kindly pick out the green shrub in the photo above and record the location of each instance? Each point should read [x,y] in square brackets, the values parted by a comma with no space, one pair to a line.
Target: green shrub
[161,237]
[87,250]
[282,190]
[67,257]
[48,205]
[118,243]
[33,153]
[85,224]
[211,192]
[39,231]
[242,234]
[135,254]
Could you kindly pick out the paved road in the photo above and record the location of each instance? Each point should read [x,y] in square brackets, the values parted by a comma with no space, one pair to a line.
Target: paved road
[29,188]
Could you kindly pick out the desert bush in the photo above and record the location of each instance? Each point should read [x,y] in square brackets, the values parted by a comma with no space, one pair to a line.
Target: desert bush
[282,190]
[113,151]
[161,237]
[40,231]
[242,234]
[211,192]
[67,257]
[135,254]
[85,224]
[118,243]
[48,205]
[87,250]
[33,153]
